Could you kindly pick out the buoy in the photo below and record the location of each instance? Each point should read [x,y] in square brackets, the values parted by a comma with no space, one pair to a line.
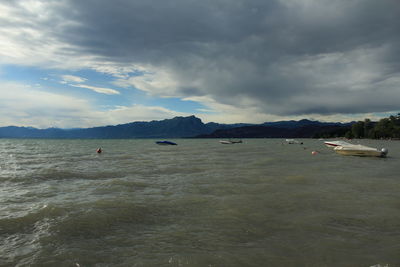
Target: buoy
[314,153]
[98,150]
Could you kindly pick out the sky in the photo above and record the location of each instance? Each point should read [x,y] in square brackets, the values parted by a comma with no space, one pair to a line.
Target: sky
[85,63]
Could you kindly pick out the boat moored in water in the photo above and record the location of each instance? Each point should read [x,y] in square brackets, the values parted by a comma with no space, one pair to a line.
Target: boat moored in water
[229,142]
[166,143]
[360,150]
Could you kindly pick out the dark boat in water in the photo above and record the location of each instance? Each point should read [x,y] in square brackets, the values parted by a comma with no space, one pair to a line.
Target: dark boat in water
[166,143]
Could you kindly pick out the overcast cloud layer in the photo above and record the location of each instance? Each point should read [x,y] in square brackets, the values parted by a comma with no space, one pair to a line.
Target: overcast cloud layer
[279,57]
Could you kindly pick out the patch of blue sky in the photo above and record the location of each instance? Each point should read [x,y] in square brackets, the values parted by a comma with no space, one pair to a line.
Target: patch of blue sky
[131,95]
[93,77]
[51,80]
[22,74]
[29,75]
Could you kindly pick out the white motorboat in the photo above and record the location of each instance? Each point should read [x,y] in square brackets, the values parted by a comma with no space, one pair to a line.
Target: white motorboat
[360,150]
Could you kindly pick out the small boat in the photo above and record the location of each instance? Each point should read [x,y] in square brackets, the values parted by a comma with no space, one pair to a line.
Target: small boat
[292,141]
[333,144]
[229,142]
[166,143]
[360,150]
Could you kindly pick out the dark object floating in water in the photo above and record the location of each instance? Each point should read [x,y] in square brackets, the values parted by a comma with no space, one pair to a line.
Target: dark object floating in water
[99,150]
[165,143]
[229,142]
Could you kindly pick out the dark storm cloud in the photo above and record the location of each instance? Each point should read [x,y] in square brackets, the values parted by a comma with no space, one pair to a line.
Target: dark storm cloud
[288,57]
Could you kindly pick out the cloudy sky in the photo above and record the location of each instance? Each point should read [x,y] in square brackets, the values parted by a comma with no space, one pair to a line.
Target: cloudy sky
[82,63]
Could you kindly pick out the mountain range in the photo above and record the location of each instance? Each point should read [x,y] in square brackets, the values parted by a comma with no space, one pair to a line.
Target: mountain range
[180,127]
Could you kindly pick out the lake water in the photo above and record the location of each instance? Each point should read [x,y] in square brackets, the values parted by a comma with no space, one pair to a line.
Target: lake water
[201,203]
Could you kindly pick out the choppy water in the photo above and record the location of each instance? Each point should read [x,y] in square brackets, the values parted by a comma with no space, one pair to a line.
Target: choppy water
[260,203]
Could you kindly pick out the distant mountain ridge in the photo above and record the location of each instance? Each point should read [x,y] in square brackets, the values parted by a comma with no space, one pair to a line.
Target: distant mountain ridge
[260,131]
[301,123]
[169,128]
[177,127]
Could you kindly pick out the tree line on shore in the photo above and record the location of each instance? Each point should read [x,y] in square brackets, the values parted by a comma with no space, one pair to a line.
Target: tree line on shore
[386,128]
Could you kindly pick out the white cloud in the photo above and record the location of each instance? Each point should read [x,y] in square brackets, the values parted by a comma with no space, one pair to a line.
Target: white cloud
[222,113]
[22,105]
[154,81]
[72,78]
[26,34]
[79,80]
[100,90]
[120,115]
